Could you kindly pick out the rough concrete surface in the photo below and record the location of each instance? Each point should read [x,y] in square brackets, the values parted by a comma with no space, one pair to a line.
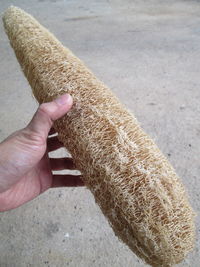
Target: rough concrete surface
[148,52]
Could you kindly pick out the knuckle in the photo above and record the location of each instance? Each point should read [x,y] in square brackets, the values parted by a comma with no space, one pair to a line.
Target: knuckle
[33,138]
[43,109]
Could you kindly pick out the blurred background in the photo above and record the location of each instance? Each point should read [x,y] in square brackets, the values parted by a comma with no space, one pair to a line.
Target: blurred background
[148,53]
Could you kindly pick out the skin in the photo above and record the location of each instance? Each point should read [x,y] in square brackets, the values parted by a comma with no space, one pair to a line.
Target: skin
[25,166]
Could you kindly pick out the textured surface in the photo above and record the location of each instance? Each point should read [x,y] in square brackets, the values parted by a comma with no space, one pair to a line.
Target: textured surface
[133,183]
[157,115]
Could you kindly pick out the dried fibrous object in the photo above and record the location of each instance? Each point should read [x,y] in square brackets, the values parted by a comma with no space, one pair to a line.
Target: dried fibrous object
[132,182]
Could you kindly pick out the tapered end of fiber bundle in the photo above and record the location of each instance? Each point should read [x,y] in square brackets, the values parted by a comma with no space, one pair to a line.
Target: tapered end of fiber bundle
[133,183]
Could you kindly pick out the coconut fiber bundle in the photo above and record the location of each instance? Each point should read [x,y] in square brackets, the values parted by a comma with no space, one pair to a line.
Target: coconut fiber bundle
[133,183]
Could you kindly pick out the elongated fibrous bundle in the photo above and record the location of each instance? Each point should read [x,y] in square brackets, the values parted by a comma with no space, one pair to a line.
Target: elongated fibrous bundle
[133,183]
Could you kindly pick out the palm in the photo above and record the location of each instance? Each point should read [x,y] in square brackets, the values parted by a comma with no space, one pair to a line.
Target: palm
[36,181]
[39,178]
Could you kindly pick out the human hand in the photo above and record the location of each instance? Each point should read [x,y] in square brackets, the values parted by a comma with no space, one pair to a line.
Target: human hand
[25,167]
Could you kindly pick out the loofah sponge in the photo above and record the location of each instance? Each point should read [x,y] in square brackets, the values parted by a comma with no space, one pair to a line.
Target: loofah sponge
[133,183]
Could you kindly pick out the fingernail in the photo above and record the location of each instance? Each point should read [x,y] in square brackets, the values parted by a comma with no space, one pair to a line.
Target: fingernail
[63,99]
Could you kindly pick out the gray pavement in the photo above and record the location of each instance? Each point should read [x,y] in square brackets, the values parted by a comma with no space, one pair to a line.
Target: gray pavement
[148,52]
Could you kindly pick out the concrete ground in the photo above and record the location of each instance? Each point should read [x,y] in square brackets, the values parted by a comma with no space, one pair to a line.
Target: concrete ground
[148,52]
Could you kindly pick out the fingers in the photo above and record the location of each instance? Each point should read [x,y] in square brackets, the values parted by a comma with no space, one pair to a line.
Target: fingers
[58,164]
[53,143]
[47,113]
[67,181]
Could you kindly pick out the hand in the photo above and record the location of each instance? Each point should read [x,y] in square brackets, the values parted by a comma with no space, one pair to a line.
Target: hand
[25,168]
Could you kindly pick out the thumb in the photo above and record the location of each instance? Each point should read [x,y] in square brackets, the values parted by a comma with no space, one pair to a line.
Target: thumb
[47,113]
